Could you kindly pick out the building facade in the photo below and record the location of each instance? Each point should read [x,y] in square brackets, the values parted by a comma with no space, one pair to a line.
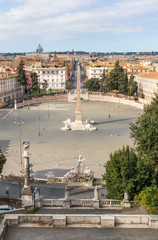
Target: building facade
[55,77]
[10,89]
[95,72]
[148,85]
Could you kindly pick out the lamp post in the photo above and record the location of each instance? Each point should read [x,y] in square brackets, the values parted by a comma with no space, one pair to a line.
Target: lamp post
[19,123]
[34,200]
[7,192]
[48,110]
[109,109]
[117,106]
[39,124]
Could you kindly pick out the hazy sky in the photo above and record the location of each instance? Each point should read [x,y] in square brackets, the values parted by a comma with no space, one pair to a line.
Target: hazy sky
[89,25]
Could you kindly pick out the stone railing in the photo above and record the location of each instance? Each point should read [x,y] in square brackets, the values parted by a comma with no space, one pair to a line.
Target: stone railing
[114,99]
[107,203]
[78,220]
[110,203]
[53,202]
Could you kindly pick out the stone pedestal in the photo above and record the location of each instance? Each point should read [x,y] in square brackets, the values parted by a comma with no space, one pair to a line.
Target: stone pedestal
[126,204]
[96,204]
[67,203]
[107,221]
[59,221]
[26,195]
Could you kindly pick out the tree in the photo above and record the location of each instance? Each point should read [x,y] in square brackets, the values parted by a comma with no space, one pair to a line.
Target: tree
[132,86]
[2,161]
[125,171]
[116,79]
[22,79]
[45,85]
[35,84]
[93,84]
[148,199]
[145,133]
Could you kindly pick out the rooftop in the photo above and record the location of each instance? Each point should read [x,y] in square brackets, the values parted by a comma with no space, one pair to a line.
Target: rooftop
[151,75]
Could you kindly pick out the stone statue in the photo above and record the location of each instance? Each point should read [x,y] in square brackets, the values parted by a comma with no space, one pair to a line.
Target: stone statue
[26,145]
[88,174]
[71,175]
[96,193]
[80,165]
[126,197]
[51,177]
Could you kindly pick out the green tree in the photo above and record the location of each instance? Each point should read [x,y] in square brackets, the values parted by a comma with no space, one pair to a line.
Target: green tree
[148,199]
[132,86]
[2,161]
[145,133]
[92,84]
[45,85]
[123,83]
[125,171]
[22,79]
[35,84]
[116,79]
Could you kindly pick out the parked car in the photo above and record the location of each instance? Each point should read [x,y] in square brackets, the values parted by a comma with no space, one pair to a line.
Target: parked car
[10,105]
[5,208]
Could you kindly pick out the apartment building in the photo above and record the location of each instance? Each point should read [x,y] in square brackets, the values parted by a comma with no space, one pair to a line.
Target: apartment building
[148,85]
[95,72]
[55,77]
[10,89]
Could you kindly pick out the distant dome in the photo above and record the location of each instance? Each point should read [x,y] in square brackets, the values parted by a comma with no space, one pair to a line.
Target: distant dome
[39,49]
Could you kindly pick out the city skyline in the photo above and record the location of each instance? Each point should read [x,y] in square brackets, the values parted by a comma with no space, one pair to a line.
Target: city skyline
[92,25]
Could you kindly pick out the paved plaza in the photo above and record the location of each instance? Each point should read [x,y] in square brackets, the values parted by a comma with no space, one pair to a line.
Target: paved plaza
[80,234]
[54,149]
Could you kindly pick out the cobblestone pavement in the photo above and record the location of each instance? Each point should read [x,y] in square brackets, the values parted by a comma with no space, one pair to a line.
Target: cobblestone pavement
[80,234]
[54,149]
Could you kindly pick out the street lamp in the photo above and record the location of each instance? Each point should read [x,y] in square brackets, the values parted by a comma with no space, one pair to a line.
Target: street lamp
[109,109]
[117,106]
[48,110]
[7,192]
[39,119]
[19,122]
[34,200]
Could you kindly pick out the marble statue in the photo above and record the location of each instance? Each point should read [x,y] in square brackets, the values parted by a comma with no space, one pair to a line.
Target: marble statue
[88,174]
[80,165]
[51,177]
[26,145]
[71,175]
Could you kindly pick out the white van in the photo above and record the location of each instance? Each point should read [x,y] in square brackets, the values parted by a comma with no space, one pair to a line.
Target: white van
[5,208]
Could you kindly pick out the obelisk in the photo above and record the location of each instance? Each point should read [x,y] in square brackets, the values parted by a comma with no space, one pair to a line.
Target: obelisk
[78,107]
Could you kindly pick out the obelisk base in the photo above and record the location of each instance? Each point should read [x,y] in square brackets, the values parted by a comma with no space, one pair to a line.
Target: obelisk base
[78,125]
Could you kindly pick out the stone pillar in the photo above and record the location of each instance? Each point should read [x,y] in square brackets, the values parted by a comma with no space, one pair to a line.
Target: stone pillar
[66,202]
[26,193]
[15,104]
[96,198]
